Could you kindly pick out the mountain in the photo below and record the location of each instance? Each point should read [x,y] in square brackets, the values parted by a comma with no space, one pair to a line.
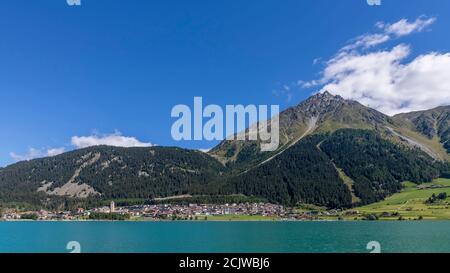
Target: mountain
[333,152]
[109,173]
[337,170]
[328,142]
[433,124]
[326,113]
[320,113]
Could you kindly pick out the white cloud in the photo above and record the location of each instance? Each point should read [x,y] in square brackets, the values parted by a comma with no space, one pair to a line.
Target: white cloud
[317,60]
[387,32]
[115,139]
[36,153]
[366,41]
[404,27]
[55,151]
[32,153]
[284,91]
[380,80]
[385,80]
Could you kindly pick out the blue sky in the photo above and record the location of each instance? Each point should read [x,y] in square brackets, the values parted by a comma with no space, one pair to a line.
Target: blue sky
[111,66]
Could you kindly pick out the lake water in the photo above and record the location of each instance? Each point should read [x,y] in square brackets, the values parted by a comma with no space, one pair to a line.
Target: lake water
[193,237]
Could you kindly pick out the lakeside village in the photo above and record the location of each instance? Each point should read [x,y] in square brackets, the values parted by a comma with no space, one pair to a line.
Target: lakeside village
[242,211]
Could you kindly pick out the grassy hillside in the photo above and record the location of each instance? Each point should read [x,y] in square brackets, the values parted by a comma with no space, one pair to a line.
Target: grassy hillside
[410,203]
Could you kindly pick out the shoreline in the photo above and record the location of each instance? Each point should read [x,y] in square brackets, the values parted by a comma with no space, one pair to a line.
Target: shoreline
[206,221]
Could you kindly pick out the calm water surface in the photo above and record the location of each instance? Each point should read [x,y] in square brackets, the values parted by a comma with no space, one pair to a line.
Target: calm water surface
[424,236]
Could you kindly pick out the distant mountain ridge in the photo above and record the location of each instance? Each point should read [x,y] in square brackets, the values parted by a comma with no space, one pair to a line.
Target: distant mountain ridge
[109,173]
[333,152]
[326,113]
[434,124]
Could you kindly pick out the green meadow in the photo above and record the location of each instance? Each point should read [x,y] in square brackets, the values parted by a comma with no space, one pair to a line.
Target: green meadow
[411,204]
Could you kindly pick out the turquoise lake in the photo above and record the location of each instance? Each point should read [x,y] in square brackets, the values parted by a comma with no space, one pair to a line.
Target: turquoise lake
[194,237]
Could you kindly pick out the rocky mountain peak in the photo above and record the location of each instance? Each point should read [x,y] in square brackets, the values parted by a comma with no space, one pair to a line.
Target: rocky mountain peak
[320,103]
